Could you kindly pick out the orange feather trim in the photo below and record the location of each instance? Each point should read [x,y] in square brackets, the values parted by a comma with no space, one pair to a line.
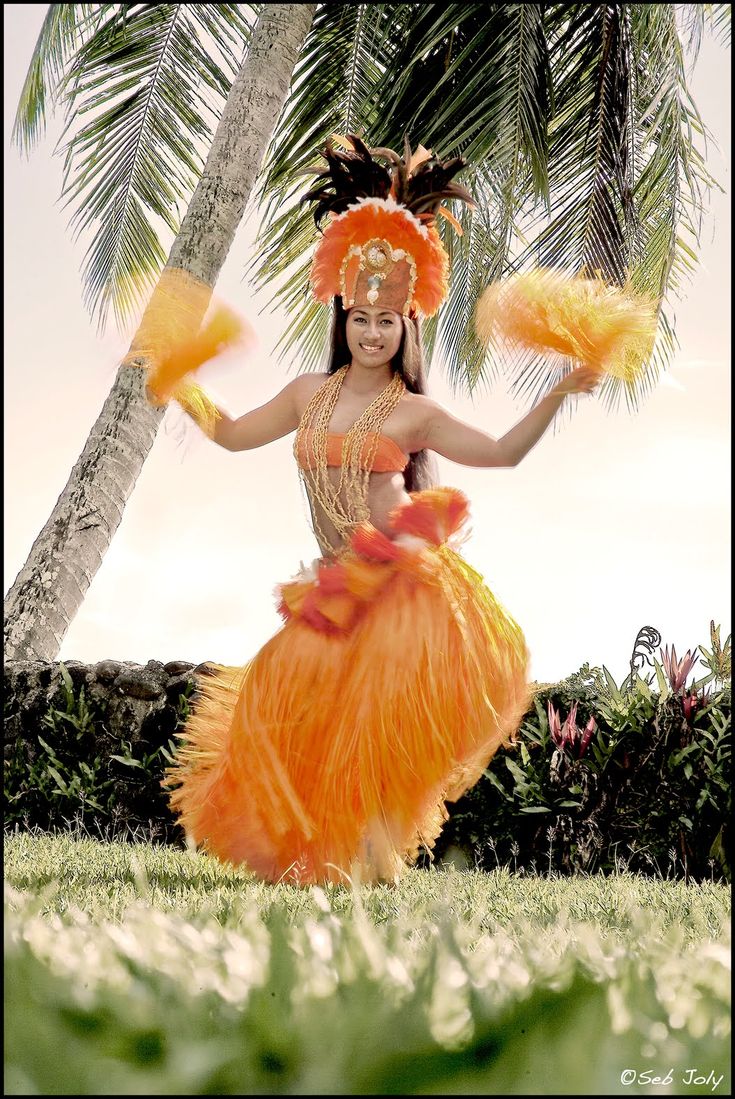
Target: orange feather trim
[373,545]
[373,218]
[434,515]
[607,327]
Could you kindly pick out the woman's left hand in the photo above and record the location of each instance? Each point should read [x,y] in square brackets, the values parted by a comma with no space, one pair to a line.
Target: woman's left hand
[584,379]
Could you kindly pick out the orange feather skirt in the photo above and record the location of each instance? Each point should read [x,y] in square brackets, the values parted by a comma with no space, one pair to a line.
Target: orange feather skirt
[396,677]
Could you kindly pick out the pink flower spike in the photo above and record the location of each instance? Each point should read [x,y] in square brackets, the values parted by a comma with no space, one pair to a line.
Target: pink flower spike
[676,670]
[554,725]
[587,736]
[691,702]
[687,663]
[569,731]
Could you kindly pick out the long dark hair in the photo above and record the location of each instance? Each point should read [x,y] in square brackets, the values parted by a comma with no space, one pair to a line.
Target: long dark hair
[420,473]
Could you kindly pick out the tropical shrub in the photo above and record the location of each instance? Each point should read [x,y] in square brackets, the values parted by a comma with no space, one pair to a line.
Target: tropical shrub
[603,776]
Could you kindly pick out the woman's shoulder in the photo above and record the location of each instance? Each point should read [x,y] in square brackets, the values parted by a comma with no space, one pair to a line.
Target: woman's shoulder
[304,386]
[420,406]
[310,379]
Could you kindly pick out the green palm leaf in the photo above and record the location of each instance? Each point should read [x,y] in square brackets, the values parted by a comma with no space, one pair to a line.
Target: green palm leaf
[152,79]
[65,28]
[591,221]
[627,173]
[695,18]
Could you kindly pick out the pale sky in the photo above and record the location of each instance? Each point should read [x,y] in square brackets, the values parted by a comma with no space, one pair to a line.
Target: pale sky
[612,522]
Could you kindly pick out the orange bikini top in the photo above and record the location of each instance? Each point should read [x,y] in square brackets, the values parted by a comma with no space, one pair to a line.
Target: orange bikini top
[389,458]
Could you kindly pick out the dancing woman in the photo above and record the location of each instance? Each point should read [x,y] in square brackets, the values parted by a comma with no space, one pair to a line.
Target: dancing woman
[397,674]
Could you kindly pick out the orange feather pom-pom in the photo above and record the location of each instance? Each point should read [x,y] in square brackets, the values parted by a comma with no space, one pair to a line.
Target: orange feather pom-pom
[365,578]
[607,327]
[170,338]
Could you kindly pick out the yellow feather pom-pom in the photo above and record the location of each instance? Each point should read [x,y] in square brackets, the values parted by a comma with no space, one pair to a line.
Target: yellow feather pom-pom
[170,339]
[606,327]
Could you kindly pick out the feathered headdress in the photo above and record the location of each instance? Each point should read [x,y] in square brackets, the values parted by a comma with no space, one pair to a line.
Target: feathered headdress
[381,246]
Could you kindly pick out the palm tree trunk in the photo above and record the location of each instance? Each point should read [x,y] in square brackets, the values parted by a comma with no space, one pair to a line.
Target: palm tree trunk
[50,587]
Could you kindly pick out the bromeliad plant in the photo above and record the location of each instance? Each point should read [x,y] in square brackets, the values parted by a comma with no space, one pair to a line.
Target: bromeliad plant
[568,736]
[603,773]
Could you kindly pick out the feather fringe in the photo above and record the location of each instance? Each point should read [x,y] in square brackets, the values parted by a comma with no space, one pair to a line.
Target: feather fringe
[332,753]
[546,311]
[366,221]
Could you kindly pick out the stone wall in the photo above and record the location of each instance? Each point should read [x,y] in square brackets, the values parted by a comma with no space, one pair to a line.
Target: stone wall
[91,742]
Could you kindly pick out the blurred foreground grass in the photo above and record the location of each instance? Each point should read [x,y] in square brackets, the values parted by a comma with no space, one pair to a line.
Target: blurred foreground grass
[133,969]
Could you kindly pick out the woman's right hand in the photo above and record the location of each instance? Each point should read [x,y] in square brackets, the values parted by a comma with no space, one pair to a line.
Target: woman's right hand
[584,379]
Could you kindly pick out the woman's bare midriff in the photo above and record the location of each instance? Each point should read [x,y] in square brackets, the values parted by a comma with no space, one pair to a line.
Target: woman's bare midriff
[385,492]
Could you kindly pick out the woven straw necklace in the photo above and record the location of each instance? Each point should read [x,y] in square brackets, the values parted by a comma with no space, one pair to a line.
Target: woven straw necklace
[345,504]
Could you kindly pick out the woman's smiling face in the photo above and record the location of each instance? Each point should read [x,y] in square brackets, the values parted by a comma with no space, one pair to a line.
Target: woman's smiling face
[373,335]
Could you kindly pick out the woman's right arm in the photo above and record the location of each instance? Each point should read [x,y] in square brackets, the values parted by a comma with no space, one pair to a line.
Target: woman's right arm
[265,424]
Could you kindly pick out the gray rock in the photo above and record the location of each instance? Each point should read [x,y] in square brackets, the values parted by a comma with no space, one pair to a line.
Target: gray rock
[105,671]
[139,683]
[178,667]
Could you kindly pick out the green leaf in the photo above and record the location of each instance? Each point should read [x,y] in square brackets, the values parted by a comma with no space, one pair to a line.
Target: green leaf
[68,684]
[493,778]
[127,760]
[65,26]
[63,786]
[612,686]
[663,685]
[47,747]
[518,773]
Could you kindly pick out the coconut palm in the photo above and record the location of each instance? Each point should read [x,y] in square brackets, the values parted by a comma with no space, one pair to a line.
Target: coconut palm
[139,154]
[587,153]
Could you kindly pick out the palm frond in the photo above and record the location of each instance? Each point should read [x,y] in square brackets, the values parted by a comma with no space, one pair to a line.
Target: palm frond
[694,19]
[336,71]
[153,91]
[338,67]
[592,222]
[653,182]
[473,257]
[672,182]
[64,28]
[719,17]
[589,155]
[466,73]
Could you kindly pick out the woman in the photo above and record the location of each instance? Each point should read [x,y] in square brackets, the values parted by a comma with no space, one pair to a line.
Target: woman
[397,675]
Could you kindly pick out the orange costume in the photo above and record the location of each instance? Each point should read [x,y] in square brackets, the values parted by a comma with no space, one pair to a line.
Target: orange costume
[396,677]
[397,674]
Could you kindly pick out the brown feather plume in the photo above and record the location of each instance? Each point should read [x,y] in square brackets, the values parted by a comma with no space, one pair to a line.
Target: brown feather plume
[354,174]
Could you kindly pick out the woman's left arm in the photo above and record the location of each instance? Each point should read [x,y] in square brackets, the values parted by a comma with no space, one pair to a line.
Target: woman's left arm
[469,446]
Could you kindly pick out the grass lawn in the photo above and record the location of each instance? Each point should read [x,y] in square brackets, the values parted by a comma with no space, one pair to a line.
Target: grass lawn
[135,969]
